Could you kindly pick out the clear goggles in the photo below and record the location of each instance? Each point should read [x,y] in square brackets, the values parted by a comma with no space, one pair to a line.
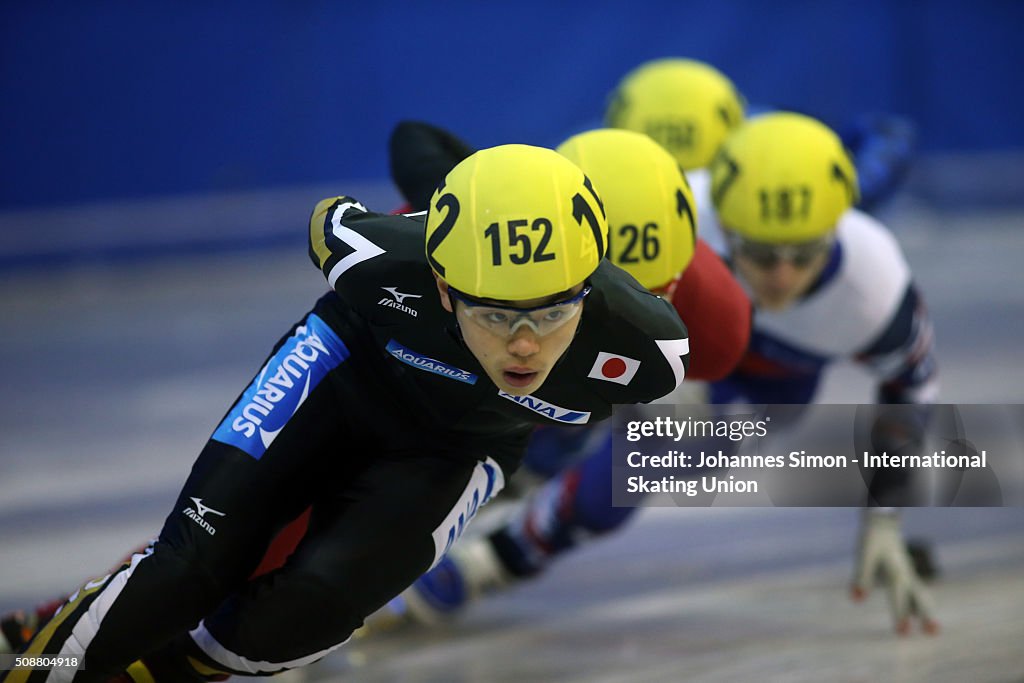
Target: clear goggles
[505,321]
[766,255]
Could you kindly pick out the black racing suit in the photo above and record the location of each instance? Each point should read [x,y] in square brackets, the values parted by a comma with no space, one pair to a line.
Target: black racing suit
[372,411]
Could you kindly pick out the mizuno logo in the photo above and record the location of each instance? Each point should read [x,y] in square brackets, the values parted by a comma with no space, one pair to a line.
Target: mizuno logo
[549,410]
[198,514]
[399,296]
[429,364]
[203,509]
[397,301]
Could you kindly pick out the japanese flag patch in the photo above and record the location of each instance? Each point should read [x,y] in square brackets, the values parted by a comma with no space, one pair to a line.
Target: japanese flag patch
[612,367]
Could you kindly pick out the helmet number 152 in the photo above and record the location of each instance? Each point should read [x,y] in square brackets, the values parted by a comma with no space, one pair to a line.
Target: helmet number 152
[520,234]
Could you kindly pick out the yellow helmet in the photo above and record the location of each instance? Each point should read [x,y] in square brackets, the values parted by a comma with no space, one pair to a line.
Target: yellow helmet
[515,222]
[782,177]
[687,106]
[650,205]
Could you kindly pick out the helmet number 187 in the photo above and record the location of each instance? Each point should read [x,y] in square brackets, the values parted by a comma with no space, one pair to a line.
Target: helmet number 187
[785,203]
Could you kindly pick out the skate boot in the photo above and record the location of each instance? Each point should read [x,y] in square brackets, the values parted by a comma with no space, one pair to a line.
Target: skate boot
[471,570]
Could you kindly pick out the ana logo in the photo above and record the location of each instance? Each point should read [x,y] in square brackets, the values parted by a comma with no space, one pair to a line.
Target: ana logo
[612,367]
[281,387]
[398,300]
[429,364]
[198,513]
[549,410]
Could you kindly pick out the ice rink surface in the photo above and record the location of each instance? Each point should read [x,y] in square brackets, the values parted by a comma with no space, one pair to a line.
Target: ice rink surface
[115,377]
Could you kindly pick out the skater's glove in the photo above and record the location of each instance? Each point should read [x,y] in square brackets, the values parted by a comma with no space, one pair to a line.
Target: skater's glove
[882,558]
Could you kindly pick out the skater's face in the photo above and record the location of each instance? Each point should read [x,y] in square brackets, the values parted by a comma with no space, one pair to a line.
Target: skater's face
[779,274]
[517,344]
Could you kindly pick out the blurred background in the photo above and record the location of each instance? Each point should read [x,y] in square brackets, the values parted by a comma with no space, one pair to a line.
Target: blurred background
[137,117]
[158,166]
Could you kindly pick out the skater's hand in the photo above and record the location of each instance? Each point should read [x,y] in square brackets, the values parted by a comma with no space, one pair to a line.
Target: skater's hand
[882,556]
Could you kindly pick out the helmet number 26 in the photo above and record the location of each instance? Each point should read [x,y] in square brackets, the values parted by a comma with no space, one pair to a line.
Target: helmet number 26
[640,243]
[520,248]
